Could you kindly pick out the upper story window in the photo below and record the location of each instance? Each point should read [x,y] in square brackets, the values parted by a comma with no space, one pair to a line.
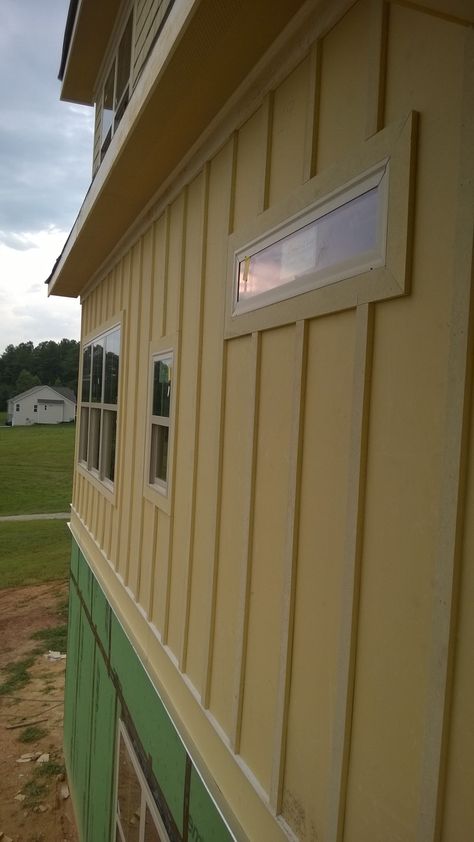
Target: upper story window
[116,91]
[99,393]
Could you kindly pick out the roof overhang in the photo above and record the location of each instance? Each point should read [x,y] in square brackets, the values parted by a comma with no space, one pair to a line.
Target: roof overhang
[88,29]
[204,52]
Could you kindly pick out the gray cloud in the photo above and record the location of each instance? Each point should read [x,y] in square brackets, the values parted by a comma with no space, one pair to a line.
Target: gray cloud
[45,145]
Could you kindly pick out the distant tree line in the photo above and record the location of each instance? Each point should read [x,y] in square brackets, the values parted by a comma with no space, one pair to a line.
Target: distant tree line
[47,364]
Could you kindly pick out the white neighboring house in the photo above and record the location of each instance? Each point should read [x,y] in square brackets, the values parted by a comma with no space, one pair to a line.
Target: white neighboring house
[42,405]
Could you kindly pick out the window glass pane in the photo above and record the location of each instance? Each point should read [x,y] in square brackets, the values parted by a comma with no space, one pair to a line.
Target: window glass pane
[97,363]
[109,434]
[108,109]
[86,374]
[112,355]
[340,235]
[94,439]
[84,434]
[162,388]
[123,61]
[151,830]
[128,796]
[159,453]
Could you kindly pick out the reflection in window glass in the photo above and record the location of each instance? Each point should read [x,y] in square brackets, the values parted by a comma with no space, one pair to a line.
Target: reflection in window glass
[109,442]
[84,436]
[99,390]
[162,388]
[159,453]
[129,796]
[108,110]
[112,354]
[86,373]
[97,363]
[124,61]
[348,232]
[95,439]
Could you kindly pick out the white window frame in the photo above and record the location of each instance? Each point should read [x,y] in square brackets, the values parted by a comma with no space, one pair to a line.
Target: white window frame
[387,160]
[360,262]
[127,91]
[147,800]
[157,490]
[87,443]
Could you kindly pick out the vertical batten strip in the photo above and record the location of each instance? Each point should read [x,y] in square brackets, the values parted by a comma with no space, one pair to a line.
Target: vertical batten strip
[207,668]
[125,342]
[179,314]
[247,527]
[378,37]
[357,471]
[310,150]
[267,151]
[290,562]
[446,574]
[138,293]
[165,270]
[351,571]
[149,607]
[195,422]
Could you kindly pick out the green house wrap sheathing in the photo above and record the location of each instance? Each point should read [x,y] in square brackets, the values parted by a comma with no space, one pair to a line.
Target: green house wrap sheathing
[105,681]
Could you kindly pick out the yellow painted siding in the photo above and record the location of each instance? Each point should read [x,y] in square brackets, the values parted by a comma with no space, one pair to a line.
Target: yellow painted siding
[325,461]
[149,16]
[459,805]
[245,580]
[407,427]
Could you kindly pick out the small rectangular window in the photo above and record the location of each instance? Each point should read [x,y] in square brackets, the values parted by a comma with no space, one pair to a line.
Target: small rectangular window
[160,420]
[35,408]
[338,238]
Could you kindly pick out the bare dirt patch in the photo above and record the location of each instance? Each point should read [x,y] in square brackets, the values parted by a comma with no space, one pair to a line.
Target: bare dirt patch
[33,806]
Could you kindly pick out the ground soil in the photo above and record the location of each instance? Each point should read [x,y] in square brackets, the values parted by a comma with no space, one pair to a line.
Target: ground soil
[45,814]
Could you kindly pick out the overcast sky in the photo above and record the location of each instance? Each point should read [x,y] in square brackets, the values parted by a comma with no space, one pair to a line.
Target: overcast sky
[45,170]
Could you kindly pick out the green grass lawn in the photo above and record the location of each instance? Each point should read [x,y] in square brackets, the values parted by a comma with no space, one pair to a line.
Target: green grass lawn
[36,465]
[33,551]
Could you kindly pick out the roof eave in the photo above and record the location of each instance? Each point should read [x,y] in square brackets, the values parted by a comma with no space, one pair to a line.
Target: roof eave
[88,29]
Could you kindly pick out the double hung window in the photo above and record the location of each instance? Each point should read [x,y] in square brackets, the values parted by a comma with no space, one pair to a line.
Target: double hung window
[99,392]
[116,91]
[136,816]
[160,420]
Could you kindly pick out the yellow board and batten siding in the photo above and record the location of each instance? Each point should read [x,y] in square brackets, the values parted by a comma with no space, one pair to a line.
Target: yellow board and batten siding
[292,582]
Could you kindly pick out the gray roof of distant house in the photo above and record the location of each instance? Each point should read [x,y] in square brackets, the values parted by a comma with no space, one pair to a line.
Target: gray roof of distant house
[61,390]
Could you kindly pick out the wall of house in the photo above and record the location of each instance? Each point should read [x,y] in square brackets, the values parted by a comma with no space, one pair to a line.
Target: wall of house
[304,607]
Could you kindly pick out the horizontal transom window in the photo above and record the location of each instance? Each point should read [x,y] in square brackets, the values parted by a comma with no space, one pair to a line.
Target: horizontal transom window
[334,239]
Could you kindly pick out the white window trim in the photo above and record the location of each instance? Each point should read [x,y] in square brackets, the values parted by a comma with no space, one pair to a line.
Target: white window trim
[362,262]
[103,483]
[147,799]
[158,492]
[391,154]
[112,59]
